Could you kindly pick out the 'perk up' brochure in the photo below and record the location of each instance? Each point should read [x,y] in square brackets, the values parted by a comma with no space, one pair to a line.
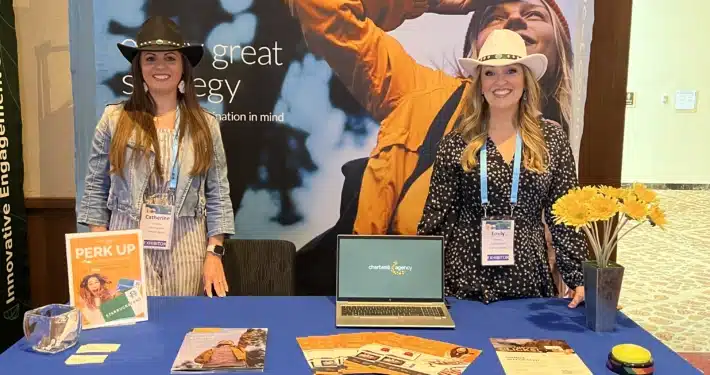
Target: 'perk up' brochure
[106,277]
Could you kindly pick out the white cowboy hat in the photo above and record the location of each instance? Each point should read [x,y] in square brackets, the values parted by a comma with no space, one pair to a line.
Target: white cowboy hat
[506,47]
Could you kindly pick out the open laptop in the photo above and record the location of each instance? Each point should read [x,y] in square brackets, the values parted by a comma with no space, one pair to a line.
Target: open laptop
[391,281]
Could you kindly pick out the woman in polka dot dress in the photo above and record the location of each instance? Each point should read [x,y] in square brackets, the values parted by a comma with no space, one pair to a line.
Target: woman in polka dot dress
[501,113]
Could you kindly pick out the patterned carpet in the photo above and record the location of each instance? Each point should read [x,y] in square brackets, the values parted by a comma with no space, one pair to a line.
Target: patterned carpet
[666,287]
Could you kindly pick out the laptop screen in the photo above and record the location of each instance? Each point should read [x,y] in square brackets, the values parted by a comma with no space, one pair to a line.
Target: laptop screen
[390,268]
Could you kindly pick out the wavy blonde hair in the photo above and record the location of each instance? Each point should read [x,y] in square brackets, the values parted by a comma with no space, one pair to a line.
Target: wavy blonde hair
[475,114]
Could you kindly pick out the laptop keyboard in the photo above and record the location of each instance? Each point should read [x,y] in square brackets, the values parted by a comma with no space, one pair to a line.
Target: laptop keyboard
[392,311]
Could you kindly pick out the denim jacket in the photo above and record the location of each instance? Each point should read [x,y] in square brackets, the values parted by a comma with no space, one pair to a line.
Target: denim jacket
[207,194]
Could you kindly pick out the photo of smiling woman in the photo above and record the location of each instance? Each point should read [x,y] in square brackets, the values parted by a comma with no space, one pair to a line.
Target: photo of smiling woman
[417,104]
[94,290]
[160,148]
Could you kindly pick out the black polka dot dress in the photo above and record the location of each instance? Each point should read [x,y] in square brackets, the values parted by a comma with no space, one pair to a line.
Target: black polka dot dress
[453,209]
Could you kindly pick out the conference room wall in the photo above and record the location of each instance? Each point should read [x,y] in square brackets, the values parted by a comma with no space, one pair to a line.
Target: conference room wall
[660,139]
[42,28]
[46,98]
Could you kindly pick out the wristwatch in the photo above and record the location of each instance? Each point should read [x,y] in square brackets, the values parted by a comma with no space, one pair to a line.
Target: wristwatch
[216,250]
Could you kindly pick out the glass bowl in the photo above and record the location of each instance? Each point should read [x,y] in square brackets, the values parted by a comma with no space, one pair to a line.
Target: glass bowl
[52,328]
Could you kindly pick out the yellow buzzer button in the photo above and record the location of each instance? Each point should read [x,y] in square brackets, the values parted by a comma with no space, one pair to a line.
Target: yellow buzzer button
[631,354]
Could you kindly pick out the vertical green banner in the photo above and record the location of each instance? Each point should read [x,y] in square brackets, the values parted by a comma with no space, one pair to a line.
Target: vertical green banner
[14,267]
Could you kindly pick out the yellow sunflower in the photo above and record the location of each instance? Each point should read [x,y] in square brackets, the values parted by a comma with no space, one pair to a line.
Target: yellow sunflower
[581,195]
[587,193]
[571,212]
[657,216]
[634,208]
[643,194]
[602,208]
[611,192]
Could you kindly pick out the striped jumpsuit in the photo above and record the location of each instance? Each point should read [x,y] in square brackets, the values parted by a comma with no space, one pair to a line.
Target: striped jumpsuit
[177,272]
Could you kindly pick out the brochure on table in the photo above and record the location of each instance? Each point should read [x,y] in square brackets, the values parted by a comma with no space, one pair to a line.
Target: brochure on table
[212,350]
[523,356]
[106,277]
[384,353]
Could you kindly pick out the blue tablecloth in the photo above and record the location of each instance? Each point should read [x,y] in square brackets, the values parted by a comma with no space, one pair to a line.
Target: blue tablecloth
[150,347]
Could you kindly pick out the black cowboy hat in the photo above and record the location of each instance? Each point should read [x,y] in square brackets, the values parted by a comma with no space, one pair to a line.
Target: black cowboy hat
[162,34]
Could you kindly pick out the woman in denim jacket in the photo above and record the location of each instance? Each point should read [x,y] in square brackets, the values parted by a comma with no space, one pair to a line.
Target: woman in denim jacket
[160,148]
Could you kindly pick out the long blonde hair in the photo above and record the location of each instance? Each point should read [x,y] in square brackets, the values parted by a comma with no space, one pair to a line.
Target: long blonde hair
[476,112]
[137,117]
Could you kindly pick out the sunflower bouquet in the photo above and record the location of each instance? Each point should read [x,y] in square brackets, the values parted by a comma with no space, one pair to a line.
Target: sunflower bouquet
[602,212]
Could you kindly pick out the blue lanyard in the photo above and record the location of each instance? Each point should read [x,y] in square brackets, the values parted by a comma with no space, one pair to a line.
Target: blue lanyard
[173,158]
[516,175]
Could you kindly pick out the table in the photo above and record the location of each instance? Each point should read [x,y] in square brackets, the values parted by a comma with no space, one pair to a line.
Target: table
[150,347]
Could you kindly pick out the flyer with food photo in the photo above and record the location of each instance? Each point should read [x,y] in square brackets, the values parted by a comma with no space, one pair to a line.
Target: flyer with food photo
[411,355]
[326,355]
[384,353]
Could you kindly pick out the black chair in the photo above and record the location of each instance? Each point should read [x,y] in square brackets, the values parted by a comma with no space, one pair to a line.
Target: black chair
[316,260]
[259,267]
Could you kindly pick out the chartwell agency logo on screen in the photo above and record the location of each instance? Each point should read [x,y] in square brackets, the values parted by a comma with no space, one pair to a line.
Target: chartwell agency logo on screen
[395,268]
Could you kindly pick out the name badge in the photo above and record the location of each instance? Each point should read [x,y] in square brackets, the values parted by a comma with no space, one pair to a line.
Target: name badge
[157,226]
[497,241]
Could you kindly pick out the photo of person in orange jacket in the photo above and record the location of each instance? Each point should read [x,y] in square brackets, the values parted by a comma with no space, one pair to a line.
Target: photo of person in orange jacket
[405,96]
[416,105]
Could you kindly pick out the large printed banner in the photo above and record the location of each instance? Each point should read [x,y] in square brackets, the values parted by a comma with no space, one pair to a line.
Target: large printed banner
[14,270]
[304,87]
